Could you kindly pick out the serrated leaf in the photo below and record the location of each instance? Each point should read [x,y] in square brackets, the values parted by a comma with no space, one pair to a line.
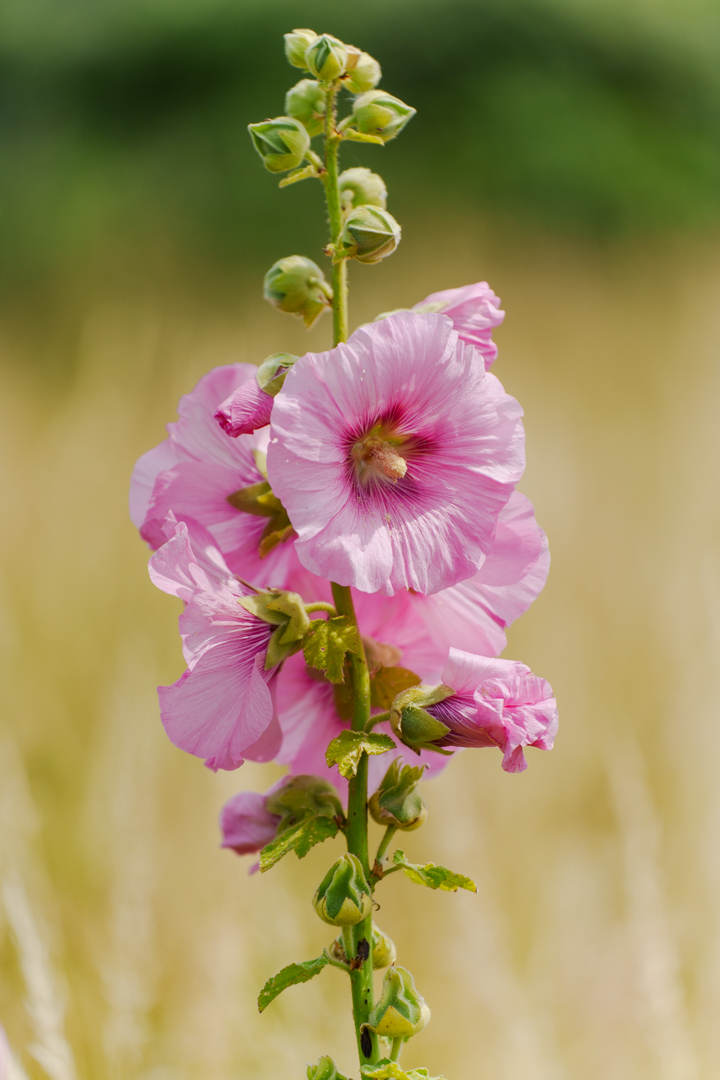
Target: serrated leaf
[326,644]
[346,750]
[290,976]
[299,838]
[387,682]
[434,877]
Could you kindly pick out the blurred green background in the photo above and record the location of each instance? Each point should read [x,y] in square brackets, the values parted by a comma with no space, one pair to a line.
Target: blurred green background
[568,151]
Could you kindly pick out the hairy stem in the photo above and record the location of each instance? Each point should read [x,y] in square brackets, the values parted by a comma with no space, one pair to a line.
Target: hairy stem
[396,1048]
[332,195]
[361,979]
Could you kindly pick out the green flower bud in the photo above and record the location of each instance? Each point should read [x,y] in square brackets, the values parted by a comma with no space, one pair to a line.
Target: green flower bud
[384,952]
[370,234]
[401,1011]
[397,801]
[271,373]
[326,58]
[343,895]
[326,1069]
[296,285]
[411,721]
[360,187]
[296,45]
[364,76]
[299,796]
[381,114]
[282,143]
[306,102]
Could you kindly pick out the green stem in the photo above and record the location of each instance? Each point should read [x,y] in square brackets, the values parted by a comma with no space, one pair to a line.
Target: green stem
[320,605]
[396,1049]
[385,842]
[379,719]
[332,195]
[361,979]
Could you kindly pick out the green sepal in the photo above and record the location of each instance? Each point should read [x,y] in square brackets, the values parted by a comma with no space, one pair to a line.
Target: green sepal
[387,682]
[290,976]
[299,838]
[359,136]
[326,1069]
[270,378]
[303,796]
[284,610]
[434,877]
[300,174]
[277,531]
[256,499]
[397,801]
[347,748]
[326,644]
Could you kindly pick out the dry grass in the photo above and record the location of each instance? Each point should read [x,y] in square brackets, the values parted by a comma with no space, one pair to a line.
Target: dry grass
[592,950]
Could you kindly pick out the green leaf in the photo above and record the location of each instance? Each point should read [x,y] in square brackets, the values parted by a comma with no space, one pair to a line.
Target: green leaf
[387,682]
[299,838]
[327,642]
[290,976]
[298,174]
[346,750]
[434,877]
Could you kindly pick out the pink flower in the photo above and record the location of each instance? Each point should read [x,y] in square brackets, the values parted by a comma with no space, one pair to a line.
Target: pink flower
[496,703]
[475,612]
[245,824]
[393,455]
[475,312]
[221,708]
[245,410]
[195,469]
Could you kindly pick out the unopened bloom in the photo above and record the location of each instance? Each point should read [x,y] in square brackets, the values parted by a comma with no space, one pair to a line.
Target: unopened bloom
[482,702]
[361,187]
[475,312]
[393,455]
[282,143]
[245,823]
[250,404]
[221,708]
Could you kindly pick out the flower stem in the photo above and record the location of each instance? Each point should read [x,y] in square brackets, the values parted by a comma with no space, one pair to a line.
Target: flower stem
[385,842]
[332,195]
[396,1048]
[361,979]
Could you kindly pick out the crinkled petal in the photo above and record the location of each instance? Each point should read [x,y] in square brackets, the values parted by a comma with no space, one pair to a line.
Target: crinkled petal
[475,312]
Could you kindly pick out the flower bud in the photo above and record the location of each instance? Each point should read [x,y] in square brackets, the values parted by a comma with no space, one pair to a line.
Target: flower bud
[370,234]
[297,795]
[364,76]
[296,285]
[326,1069]
[282,143]
[271,373]
[306,102]
[296,45]
[384,952]
[411,721]
[343,895]
[325,58]
[381,114]
[360,187]
[397,801]
[401,1011]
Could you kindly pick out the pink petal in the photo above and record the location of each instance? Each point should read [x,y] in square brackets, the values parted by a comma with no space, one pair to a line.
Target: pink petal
[245,410]
[245,824]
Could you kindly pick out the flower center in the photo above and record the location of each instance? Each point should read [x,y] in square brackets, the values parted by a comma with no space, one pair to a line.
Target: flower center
[376,455]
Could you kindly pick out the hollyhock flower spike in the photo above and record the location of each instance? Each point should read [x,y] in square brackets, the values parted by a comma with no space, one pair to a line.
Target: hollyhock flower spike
[481,702]
[221,708]
[475,312]
[393,456]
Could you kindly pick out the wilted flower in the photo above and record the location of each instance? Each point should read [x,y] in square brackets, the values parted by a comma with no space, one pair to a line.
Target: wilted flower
[221,708]
[482,702]
[393,455]
[245,823]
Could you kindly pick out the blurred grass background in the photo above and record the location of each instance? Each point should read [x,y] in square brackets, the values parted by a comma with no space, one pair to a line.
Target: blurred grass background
[569,152]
